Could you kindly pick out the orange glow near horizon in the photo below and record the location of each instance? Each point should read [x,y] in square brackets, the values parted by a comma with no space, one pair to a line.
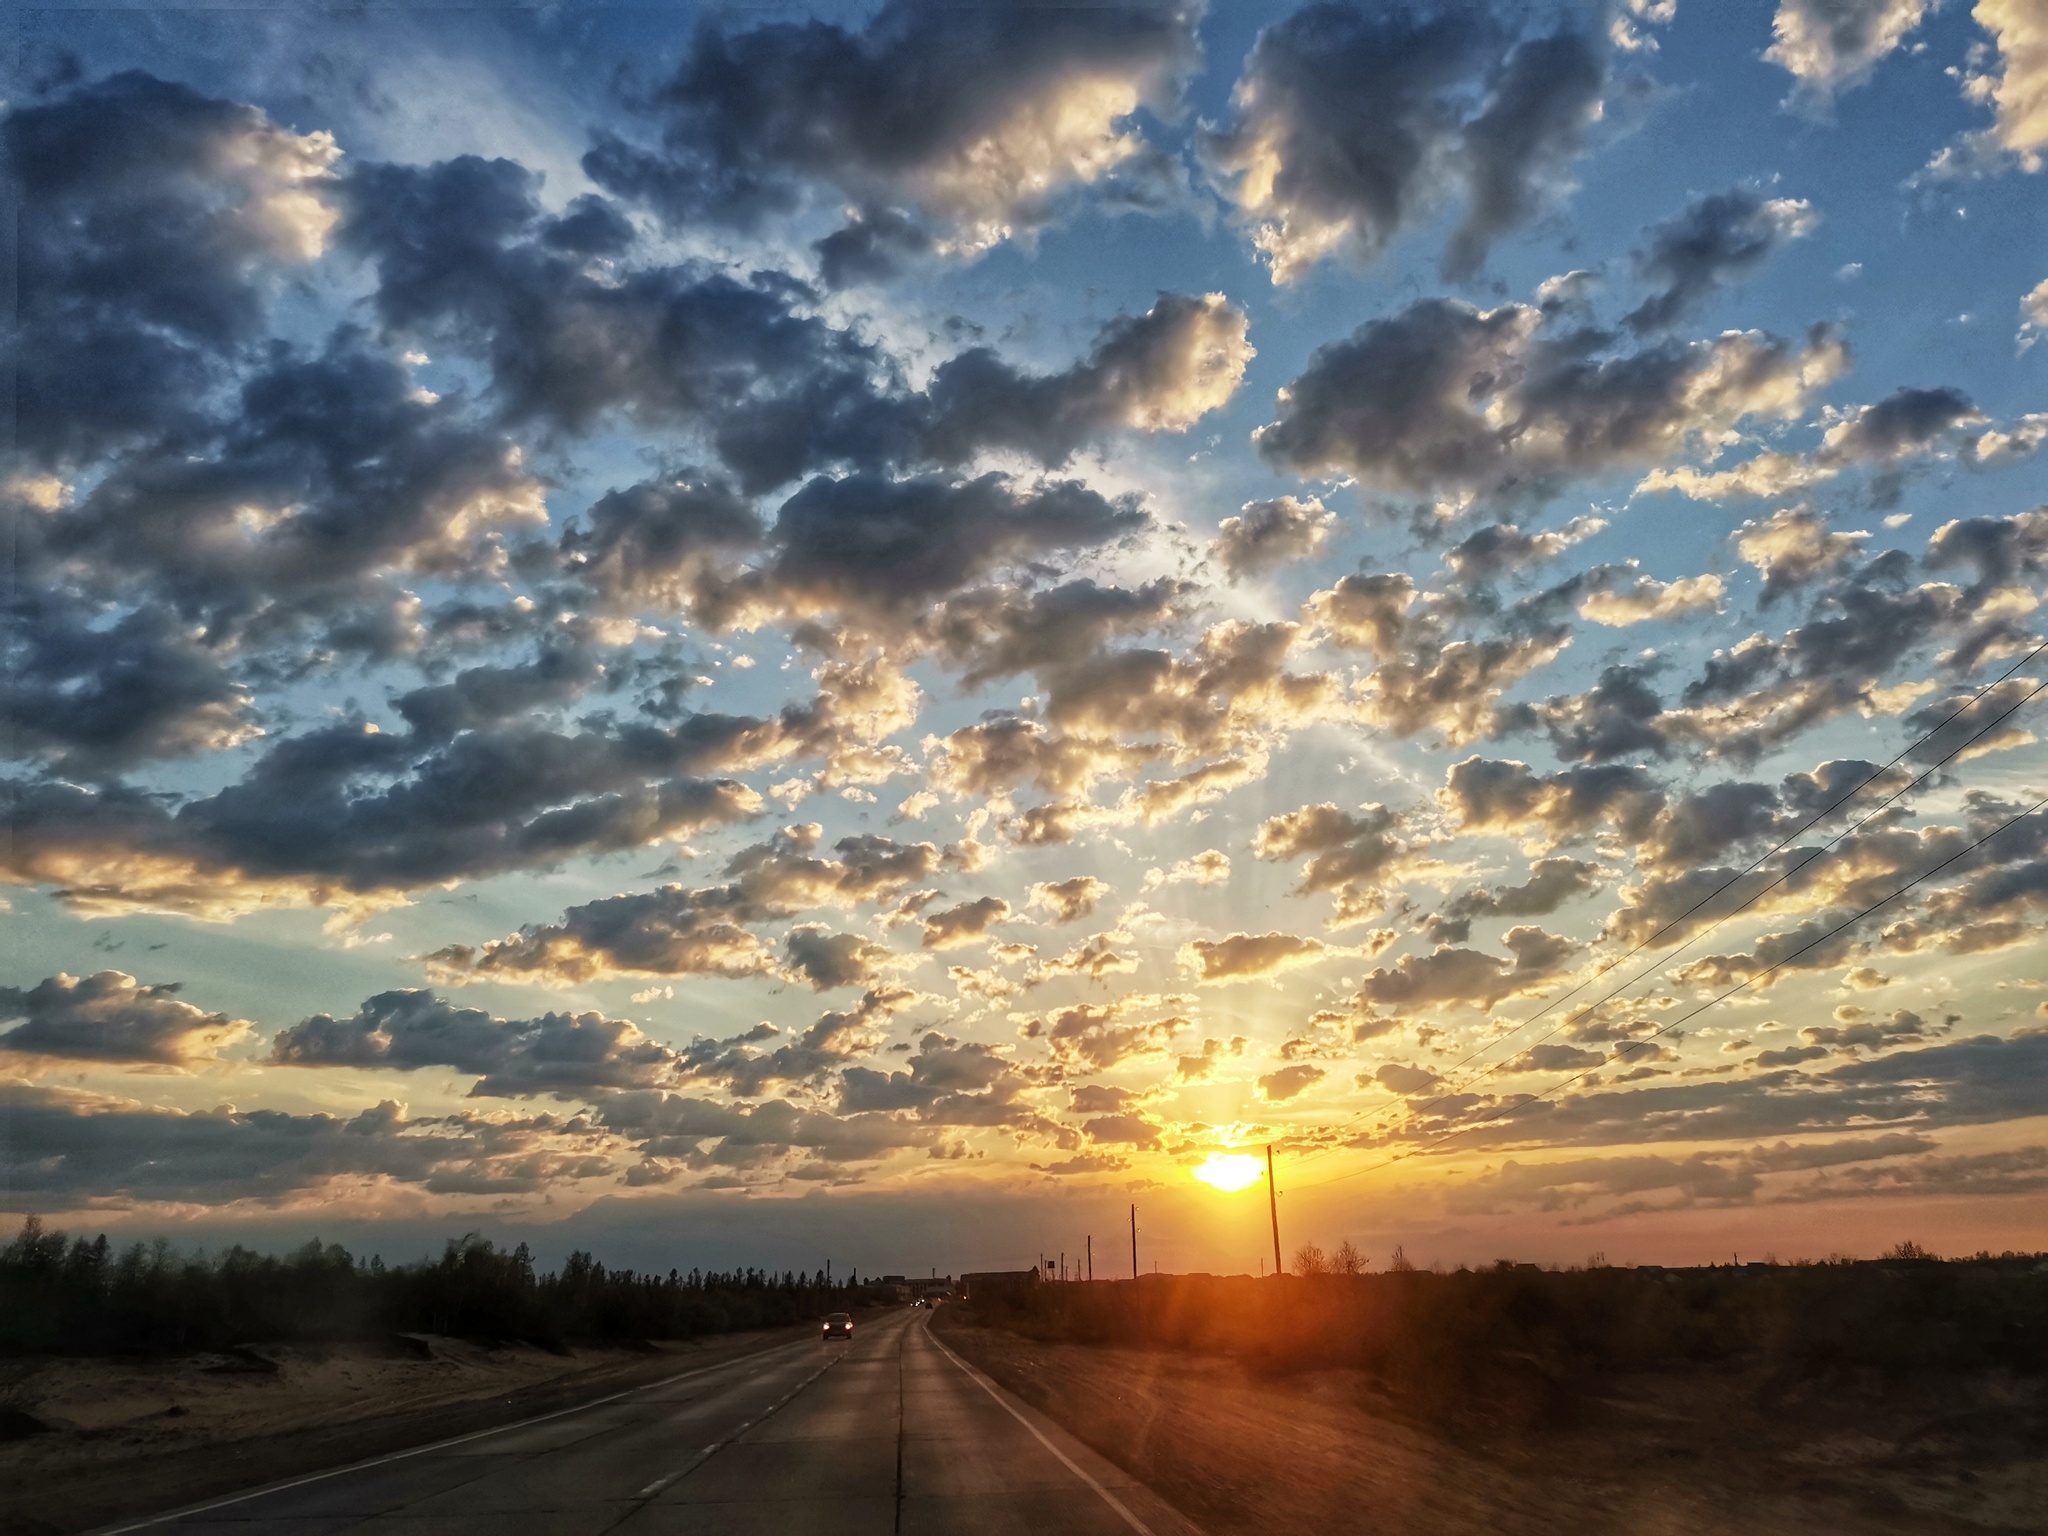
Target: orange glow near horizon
[1230,1171]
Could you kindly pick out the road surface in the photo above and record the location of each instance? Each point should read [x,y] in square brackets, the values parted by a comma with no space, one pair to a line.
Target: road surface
[889,1435]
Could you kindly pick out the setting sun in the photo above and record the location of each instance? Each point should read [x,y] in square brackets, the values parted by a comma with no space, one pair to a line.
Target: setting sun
[1229,1171]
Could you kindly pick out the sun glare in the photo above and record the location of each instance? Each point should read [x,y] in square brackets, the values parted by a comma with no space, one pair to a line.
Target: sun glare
[1230,1171]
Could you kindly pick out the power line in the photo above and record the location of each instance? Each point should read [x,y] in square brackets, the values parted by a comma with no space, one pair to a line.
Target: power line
[1695,1012]
[1740,875]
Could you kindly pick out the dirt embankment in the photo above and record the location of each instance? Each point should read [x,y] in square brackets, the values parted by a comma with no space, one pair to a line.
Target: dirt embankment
[1701,1453]
[88,1441]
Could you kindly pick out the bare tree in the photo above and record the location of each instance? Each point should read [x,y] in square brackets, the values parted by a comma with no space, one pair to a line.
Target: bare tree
[1347,1260]
[1400,1263]
[1311,1260]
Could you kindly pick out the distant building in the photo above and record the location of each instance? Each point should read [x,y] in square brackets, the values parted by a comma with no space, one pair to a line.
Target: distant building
[995,1281]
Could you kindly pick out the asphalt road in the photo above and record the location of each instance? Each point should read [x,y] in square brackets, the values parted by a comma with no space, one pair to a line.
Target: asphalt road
[889,1435]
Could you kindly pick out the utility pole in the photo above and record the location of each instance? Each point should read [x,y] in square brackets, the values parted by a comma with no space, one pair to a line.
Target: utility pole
[1134,1242]
[1273,1205]
[1091,1258]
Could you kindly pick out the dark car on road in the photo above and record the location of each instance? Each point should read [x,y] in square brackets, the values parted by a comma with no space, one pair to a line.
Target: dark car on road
[839,1325]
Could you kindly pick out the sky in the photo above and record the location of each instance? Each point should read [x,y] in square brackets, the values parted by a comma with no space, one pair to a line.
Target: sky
[764,634]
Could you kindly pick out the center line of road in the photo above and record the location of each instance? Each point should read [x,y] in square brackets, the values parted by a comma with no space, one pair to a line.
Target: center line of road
[1066,1461]
[706,1454]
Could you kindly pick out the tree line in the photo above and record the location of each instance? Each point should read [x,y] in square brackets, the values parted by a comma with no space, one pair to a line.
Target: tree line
[74,1295]
[1524,1341]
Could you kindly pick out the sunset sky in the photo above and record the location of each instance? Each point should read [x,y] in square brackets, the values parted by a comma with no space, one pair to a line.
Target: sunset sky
[753,635]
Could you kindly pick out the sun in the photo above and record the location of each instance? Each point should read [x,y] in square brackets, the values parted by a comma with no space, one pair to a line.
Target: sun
[1230,1171]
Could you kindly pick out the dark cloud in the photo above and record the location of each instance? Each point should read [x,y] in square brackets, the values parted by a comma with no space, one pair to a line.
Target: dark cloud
[1266,534]
[948,1082]
[836,1039]
[558,1053]
[881,551]
[677,931]
[333,472]
[1441,397]
[1551,884]
[1355,857]
[1093,1037]
[1157,372]
[1285,1083]
[346,813]
[826,959]
[1353,124]
[967,923]
[152,222]
[1069,900]
[93,697]
[63,1146]
[109,1016]
[978,120]
[1718,239]
[1249,956]
[1980,1080]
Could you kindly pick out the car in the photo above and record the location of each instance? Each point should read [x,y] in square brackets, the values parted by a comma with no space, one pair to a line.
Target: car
[838,1325]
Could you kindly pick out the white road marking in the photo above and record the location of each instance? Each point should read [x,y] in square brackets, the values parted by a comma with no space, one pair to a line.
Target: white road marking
[704,1455]
[1066,1461]
[438,1445]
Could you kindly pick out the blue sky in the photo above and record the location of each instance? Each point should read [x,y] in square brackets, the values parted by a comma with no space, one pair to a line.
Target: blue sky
[1310,547]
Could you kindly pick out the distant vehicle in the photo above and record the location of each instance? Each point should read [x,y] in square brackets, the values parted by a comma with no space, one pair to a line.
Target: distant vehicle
[838,1325]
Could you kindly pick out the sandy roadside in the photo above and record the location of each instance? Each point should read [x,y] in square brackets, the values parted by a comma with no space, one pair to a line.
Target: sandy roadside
[1241,1455]
[134,1436]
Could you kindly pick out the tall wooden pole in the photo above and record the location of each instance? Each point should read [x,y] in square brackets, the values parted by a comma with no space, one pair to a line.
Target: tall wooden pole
[1091,1258]
[1134,1242]
[1273,1205]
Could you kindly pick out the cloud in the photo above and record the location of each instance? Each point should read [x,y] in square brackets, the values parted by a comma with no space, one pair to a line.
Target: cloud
[1249,956]
[980,122]
[1452,976]
[1718,239]
[1501,549]
[1646,600]
[1209,867]
[1356,857]
[880,551]
[1398,1077]
[677,931]
[1552,883]
[1702,1178]
[826,959]
[1161,371]
[948,1082]
[2033,315]
[111,1017]
[1097,1036]
[2015,89]
[1831,46]
[1289,1082]
[63,1146]
[1267,534]
[1907,425]
[1350,126]
[1794,546]
[968,923]
[1443,398]
[406,1030]
[835,1040]
[1502,795]
[1979,1080]
[1069,900]
[152,221]
[352,816]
